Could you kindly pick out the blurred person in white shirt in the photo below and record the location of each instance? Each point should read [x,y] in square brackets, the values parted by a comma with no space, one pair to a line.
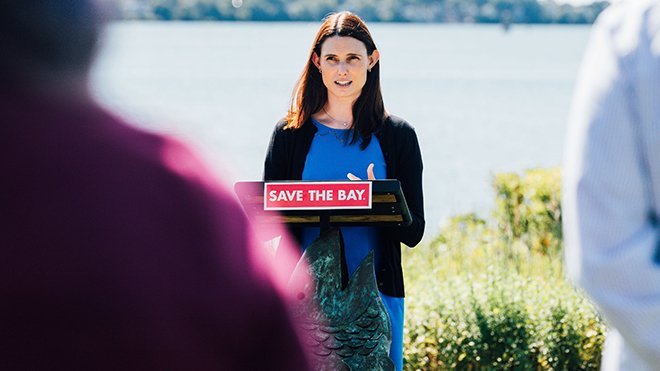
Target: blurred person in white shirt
[612,181]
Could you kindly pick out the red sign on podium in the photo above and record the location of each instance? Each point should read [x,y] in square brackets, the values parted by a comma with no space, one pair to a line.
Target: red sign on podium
[317,195]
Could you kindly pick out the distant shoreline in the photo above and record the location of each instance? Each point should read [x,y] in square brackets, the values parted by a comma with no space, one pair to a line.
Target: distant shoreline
[315,22]
[414,11]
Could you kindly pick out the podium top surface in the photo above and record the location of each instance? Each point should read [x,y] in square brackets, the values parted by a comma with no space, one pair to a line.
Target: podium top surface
[342,203]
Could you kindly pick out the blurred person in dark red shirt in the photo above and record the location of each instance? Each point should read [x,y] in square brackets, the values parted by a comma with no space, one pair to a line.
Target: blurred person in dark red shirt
[118,250]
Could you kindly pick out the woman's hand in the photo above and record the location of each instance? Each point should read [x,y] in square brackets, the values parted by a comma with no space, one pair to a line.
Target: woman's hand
[370,174]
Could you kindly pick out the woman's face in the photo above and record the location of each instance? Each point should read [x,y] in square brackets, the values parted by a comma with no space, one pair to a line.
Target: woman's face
[344,63]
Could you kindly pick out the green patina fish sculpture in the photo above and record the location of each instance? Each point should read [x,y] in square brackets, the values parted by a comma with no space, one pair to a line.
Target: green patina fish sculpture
[345,329]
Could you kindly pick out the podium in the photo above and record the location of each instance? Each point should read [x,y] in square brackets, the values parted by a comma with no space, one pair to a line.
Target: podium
[345,322]
[379,203]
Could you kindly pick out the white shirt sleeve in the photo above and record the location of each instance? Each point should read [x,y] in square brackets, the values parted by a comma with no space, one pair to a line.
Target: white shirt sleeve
[610,240]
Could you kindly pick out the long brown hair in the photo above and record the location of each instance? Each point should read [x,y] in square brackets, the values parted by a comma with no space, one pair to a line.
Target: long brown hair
[310,94]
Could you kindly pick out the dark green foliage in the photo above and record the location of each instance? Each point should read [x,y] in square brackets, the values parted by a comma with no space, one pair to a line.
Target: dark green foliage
[503,330]
[490,294]
[487,11]
[568,345]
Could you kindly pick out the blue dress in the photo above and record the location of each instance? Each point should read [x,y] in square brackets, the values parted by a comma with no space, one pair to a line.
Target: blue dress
[331,157]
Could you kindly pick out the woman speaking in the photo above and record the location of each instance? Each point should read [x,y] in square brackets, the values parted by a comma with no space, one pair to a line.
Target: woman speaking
[337,128]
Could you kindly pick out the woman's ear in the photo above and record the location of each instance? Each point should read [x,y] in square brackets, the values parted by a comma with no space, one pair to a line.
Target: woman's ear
[316,60]
[373,59]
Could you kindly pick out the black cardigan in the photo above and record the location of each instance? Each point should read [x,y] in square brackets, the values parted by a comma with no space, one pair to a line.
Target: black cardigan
[285,160]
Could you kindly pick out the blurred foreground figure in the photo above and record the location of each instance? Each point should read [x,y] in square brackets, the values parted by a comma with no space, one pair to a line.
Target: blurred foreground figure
[612,181]
[117,249]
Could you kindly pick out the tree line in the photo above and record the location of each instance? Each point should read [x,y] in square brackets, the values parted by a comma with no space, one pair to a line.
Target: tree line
[462,11]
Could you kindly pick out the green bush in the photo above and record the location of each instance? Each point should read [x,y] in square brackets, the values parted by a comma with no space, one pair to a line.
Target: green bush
[528,209]
[491,294]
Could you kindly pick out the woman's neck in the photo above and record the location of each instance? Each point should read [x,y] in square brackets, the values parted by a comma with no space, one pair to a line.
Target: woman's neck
[336,113]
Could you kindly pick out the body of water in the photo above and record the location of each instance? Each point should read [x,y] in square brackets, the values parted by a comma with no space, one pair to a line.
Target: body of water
[483,101]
